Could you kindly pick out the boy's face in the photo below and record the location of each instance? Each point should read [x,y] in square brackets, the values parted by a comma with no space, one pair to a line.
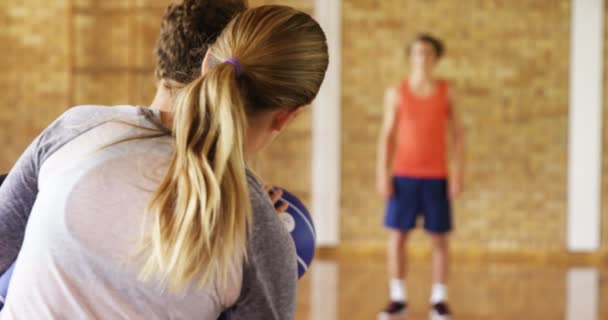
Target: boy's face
[423,56]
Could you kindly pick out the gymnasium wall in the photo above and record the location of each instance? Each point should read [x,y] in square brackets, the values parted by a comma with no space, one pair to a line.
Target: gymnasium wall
[64,53]
[509,62]
[507,59]
[604,244]
[34,64]
[58,54]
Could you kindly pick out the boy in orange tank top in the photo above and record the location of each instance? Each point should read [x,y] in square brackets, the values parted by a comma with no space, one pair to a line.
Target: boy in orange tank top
[420,125]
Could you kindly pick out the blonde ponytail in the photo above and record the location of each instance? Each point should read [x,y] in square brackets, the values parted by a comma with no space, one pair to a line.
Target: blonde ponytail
[201,209]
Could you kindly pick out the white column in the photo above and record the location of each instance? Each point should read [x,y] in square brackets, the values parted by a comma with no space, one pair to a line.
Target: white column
[585,136]
[326,131]
[582,296]
[324,293]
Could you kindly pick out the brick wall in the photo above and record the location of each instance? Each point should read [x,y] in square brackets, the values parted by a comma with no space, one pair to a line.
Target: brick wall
[65,53]
[34,65]
[509,62]
[101,52]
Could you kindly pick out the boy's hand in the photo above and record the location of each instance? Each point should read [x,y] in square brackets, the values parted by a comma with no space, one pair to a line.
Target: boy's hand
[384,187]
[455,187]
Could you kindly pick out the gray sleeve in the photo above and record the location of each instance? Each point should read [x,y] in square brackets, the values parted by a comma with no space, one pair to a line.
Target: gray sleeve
[17,196]
[270,276]
[20,188]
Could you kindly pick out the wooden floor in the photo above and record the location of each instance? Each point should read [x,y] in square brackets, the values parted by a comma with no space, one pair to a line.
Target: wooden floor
[356,288]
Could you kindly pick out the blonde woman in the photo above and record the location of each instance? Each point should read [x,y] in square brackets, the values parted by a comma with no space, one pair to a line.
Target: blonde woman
[151,213]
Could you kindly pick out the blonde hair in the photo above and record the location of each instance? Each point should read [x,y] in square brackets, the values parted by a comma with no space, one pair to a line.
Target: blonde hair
[201,210]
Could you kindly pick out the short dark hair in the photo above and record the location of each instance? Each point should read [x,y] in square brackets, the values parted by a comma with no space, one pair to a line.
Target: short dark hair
[187,29]
[428,38]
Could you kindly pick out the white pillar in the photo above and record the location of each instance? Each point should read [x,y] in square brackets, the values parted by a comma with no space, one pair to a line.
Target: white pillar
[326,131]
[582,295]
[324,293]
[585,136]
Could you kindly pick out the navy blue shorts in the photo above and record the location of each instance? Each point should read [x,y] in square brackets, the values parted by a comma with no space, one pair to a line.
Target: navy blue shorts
[413,197]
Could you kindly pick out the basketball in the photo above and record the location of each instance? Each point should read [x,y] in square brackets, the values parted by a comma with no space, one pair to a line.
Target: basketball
[299,223]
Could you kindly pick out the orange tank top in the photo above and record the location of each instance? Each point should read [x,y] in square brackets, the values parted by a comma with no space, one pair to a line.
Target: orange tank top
[421,149]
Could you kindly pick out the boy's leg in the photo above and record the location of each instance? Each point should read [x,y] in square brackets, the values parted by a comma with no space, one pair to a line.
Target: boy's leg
[440,267]
[397,265]
[439,291]
[397,270]
[400,217]
[438,223]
